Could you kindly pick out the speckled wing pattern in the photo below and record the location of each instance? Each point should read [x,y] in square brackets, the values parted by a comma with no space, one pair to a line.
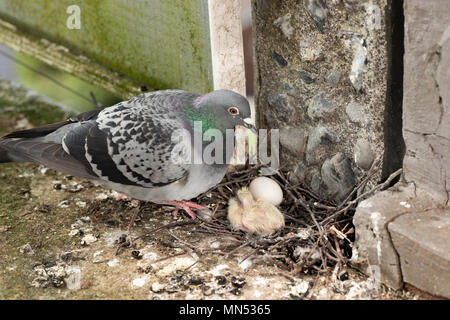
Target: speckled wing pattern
[131,143]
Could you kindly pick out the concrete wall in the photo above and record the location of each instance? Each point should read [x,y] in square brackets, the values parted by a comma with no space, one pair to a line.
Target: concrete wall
[404,232]
[323,79]
[426,101]
[160,43]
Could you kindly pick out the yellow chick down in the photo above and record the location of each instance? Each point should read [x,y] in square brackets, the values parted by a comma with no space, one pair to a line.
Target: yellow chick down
[259,217]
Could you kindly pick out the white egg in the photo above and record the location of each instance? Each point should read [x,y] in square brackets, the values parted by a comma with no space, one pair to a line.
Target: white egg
[266,189]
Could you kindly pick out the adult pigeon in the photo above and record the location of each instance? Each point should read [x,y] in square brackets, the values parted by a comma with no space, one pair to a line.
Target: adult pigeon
[132,147]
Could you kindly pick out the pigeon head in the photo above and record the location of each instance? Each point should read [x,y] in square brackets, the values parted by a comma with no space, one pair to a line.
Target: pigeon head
[226,108]
[245,198]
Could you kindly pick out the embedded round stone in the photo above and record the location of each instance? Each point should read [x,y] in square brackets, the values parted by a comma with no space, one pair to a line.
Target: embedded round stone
[355,112]
[319,107]
[363,154]
[293,139]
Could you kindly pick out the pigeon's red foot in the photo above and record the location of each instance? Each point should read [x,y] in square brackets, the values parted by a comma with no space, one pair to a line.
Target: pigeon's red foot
[121,196]
[186,206]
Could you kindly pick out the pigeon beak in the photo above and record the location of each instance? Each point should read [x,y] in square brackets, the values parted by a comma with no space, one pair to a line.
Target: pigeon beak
[247,122]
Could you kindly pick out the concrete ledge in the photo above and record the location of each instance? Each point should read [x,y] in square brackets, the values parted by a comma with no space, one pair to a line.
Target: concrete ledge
[402,237]
[422,241]
[373,246]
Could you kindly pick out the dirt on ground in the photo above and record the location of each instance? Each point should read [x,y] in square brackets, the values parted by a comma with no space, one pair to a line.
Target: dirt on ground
[65,238]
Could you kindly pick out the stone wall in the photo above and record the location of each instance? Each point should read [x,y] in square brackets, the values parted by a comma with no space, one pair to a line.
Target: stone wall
[404,232]
[427,96]
[322,78]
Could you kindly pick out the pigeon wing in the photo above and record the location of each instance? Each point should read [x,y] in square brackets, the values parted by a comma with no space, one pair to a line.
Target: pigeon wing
[132,144]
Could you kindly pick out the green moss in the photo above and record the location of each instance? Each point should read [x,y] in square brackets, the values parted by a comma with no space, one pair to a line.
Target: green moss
[161,43]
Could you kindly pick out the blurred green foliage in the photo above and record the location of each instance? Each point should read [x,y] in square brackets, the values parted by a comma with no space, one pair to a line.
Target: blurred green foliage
[46,87]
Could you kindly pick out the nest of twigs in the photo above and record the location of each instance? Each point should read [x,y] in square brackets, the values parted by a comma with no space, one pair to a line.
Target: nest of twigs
[318,234]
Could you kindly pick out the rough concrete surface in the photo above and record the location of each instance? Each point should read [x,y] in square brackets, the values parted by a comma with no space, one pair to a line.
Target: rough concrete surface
[426,101]
[59,237]
[322,68]
[410,241]
[422,243]
[373,246]
[402,235]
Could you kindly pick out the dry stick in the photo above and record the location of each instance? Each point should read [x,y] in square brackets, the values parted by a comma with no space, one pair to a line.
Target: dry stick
[167,226]
[373,169]
[298,201]
[338,249]
[322,206]
[322,233]
[169,257]
[249,255]
[185,244]
[295,220]
[232,182]
[187,269]
[239,247]
[378,187]
[244,172]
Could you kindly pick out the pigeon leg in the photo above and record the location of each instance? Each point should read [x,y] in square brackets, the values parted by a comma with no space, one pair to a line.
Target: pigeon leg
[186,206]
[121,196]
[175,212]
[135,213]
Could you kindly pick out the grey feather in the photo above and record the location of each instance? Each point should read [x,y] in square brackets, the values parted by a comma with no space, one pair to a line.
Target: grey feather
[128,147]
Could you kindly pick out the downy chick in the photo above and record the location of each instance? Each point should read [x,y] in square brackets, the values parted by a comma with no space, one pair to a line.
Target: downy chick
[259,217]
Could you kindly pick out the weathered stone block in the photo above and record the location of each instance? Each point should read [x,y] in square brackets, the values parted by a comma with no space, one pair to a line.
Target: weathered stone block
[421,240]
[426,100]
[373,247]
[404,248]
[338,176]
[293,140]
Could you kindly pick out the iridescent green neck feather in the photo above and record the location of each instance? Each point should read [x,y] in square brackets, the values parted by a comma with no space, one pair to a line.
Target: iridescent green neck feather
[207,117]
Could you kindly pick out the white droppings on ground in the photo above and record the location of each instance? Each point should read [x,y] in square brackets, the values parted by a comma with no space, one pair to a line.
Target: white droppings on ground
[216,271]
[149,255]
[215,244]
[88,239]
[111,237]
[168,267]
[113,262]
[157,287]
[81,204]
[303,252]
[299,289]
[43,170]
[365,204]
[74,233]
[139,282]
[96,253]
[26,249]
[26,174]
[64,204]
[73,279]
[375,217]
[405,204]
[284,23]
[246,264]
[304,233]
[323,294]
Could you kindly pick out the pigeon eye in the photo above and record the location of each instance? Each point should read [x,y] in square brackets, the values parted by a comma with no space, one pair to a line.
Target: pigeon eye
[233,111]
